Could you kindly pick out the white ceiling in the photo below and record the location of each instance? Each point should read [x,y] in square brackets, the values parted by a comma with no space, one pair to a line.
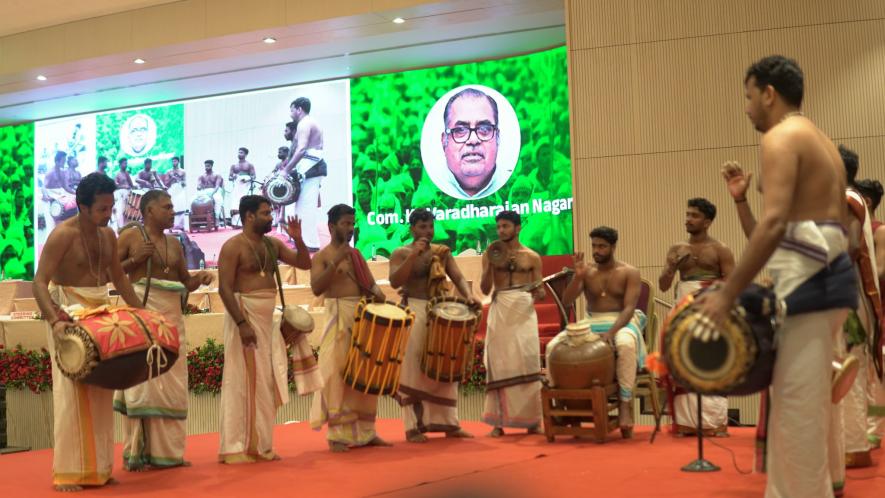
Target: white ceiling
[231,65]
[17,16]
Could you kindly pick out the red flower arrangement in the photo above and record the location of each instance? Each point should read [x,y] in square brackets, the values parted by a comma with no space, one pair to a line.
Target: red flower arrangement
[205,365]
[22,368]
[475,380]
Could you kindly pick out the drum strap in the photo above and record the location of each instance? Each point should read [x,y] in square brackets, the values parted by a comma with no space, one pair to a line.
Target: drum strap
[147,285]
[276,271]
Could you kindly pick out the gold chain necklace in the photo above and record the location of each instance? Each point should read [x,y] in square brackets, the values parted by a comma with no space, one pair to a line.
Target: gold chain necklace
[166,251]
[95,272]
[257,259]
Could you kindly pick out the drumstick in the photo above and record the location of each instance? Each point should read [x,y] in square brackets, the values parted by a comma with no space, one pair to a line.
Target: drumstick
[378,364]
[356,362]
[444,352]
[401,350]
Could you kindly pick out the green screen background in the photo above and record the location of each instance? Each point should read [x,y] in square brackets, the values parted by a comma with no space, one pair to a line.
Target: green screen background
[17,200]
[387,117]
[169,142]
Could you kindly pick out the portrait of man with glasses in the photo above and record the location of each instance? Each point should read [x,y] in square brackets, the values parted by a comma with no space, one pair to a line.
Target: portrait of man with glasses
[470,141]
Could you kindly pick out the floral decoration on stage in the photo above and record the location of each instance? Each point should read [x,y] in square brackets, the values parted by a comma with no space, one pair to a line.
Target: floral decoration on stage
[23,368]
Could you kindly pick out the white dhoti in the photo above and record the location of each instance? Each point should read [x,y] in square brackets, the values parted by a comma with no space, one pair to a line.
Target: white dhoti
[307,207]
[155,426]
[428,405]
[855,404]
[513,362]
[121,199]
[805,453]
[83,416]
[218,197]
[714,409]
[179,202]
[254,382]
[629,347]
[350,414]
[876,407]
[242,185]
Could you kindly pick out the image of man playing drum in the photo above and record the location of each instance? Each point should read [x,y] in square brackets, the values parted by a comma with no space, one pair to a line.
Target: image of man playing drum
[419,270]
[58,193]
[78,260]
[306,157]
[211,185]
[611,288]
[340,273]
[242,174]
[125,185]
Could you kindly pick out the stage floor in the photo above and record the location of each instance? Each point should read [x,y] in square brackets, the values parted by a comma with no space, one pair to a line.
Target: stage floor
[518,466]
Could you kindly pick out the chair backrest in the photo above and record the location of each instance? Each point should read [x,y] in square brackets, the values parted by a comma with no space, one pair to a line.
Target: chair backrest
[555,285]
[646,303]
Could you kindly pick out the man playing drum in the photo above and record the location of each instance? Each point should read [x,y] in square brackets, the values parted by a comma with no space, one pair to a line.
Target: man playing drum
[57,188]
[125,184]
[255,360]
[700,261]
[176,182]
[210,184]
[242,174]
[611,288]
[148,178]
[512,349]
[306,157]
[340,273]
[801,239]
[78,260]
[283,156]
[419,270]
[155,428]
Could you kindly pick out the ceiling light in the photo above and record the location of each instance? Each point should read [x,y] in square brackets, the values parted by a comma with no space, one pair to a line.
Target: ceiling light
[398,20]
[139,61]
[269,40]
[40,77]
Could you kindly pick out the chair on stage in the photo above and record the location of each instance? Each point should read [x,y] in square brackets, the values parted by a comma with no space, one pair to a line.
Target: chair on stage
[646,382]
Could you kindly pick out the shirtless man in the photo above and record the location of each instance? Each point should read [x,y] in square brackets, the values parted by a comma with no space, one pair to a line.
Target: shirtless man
[419,270]
[155,412]
[340,273]
[241,176]
[211,184]
[611,288]
[74,175]
[57,178]
[803,193]
[102,165]
[513,354]
[78,260]
[254,377]
[148,178]
[283,156]
[125,184]
[307,160]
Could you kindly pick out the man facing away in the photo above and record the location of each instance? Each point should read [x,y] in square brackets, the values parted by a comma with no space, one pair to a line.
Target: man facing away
[340,273]
[155,426]
[419,270]
[611,288]
[77,262]
[700,261]
[512,350]
[800,235]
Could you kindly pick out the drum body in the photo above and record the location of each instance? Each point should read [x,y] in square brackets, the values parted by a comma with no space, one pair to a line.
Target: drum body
[117,348]
[451,334]
[282,189]
[580,359]
[378,343]
[202,215]
[132,211]
[62,206]
[295,322]
[739,362]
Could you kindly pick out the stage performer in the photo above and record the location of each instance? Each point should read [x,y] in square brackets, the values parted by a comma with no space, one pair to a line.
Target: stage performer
[862,328]
[125,185]
[56,187]
[872,192]
[611,288]
[78,260]
[212,185]
[254,382]
[801,240]
[419,270]
[700,261]
[283,156]
[147,178]
[155,412]
[340,273]
[512,350]
[241,176]
[306,157]
[176,182]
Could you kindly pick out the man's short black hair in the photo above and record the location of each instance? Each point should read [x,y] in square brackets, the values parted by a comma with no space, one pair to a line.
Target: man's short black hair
[781,73]
[292,126]
[251,204]
[605,233]
[469,92]
[872,189]
[302,103]
[511,216]
[244,150]
[60,155]
[851,161]
[149,197]
[419,215]
[92,185]
[209,162]
[122,160]
[707,208]
[102,159]
[339,210]
[148,162]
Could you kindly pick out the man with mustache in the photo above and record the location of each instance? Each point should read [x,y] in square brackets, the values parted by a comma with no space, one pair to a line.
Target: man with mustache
[611,288]
[470,143]
[155,427]
[700,261]
[340,273]
[78,260]
[513,353]
[255,360]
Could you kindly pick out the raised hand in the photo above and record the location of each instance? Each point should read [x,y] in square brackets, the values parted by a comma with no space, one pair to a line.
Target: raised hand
[736,179]
[293,227]
[580,266]
[421,245]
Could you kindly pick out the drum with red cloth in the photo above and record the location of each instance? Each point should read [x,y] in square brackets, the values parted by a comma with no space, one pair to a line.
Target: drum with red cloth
[117,348]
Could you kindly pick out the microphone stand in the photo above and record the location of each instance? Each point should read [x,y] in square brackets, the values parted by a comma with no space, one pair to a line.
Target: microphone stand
[701,464]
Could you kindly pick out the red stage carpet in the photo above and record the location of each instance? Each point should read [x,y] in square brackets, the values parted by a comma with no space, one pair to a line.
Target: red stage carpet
[514,466]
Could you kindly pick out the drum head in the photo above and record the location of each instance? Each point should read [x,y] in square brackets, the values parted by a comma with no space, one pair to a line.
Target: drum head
[453,311]
[843,377]
[386,310]
[55,209]
[70,353]
[298,318]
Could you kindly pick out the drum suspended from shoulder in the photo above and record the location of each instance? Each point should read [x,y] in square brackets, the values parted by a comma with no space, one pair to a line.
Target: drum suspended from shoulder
[282,189]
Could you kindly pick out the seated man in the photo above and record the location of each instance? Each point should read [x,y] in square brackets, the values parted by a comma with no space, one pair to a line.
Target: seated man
[611,288]
[211,184]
